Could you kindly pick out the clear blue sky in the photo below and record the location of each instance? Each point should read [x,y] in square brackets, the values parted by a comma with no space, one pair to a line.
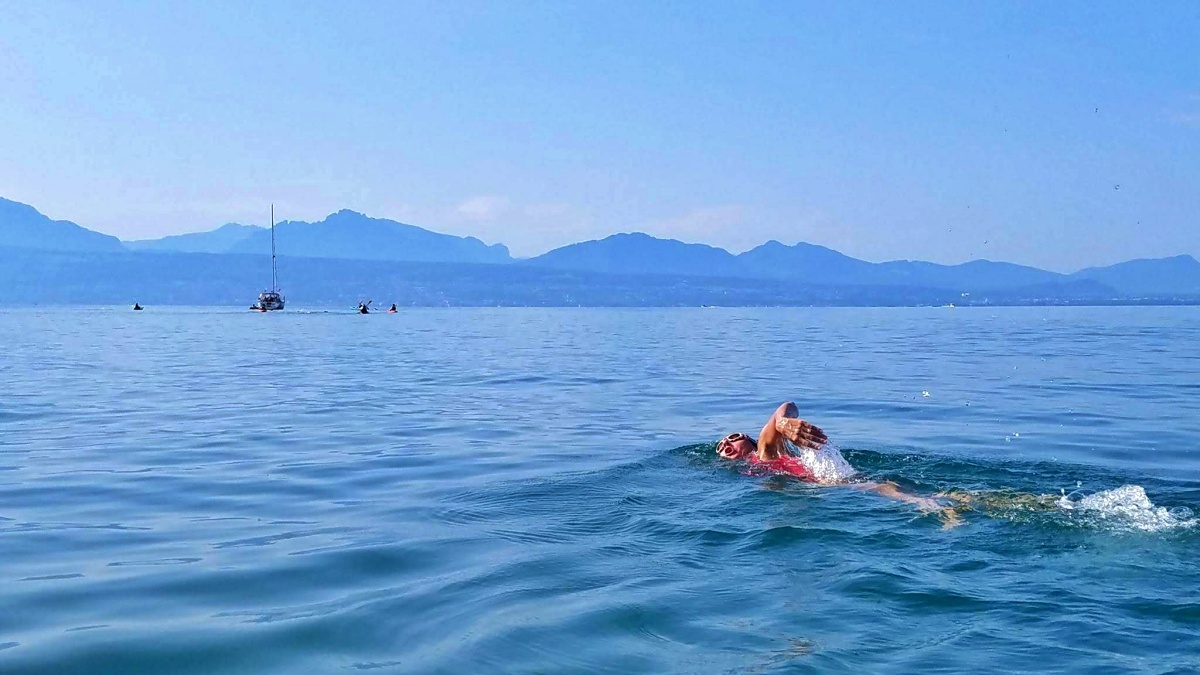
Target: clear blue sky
[940,131]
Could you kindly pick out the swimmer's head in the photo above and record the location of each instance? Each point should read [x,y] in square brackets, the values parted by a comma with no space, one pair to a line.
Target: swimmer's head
[736,446]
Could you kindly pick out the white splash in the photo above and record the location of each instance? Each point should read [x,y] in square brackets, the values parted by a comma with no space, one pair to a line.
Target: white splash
[1128,507]
[827,465]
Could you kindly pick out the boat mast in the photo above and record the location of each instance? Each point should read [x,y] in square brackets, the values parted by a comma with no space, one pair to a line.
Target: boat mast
[274,275]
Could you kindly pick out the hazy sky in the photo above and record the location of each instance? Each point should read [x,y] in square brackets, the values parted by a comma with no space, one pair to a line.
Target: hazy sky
[1049,133]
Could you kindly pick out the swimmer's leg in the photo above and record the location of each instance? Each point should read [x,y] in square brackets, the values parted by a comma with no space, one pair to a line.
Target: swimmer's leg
[1002,500]
[949,515]
[961,496]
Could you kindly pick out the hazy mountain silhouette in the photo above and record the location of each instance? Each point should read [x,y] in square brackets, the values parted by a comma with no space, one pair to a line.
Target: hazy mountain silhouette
[1149,277]
[22,226]
[806,263]
[637,253]
[159,278]
[352,235]
[976,275]
[221,240]
[623,269]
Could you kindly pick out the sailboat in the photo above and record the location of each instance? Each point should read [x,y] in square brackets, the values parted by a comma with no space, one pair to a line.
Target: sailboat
[270,300]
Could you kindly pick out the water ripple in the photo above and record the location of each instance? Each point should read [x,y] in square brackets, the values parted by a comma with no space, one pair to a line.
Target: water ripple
[536,491]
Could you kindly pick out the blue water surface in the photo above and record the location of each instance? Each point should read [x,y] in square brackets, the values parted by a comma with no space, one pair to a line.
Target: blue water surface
[509,490]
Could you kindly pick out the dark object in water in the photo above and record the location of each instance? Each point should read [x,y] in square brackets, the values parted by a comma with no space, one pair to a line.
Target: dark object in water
[392,309]
[137,307]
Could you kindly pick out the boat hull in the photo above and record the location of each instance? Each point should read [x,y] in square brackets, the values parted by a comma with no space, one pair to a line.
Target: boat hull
[268,302]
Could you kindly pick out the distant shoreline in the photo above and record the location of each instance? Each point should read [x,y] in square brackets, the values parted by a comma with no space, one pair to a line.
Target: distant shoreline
[338,308]
[349,257]
[30,277]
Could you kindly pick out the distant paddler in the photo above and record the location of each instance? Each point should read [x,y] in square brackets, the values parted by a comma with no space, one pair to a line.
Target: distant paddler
[364,307]
[392,309]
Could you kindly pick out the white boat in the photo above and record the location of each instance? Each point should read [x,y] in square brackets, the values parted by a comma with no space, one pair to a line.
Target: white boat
[271,300]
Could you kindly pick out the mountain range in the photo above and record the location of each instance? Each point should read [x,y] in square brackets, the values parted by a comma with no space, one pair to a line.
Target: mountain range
[224,239]
[626,261]
[22,226]
[345,234]
[802,263]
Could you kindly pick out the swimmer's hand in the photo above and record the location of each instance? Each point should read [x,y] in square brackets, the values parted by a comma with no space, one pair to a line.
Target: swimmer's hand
[800,432]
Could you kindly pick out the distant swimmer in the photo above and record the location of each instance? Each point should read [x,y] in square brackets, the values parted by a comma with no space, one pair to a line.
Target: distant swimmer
[137,307]
[392,309]
[814,459]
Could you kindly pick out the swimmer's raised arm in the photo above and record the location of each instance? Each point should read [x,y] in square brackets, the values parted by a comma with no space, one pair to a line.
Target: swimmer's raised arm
[785,425]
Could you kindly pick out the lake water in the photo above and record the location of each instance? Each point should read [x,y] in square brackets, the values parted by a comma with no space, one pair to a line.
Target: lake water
[457,491]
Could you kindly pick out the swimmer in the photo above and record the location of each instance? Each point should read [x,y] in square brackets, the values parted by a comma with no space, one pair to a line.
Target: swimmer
[816,461]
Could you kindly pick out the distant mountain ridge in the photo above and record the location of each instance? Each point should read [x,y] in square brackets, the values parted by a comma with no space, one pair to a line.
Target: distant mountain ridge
[818,264]
[348,235]
[22,226]
[345,234]
[1153,277]
[221,240]
[352,235]
[30,276]
[637,253]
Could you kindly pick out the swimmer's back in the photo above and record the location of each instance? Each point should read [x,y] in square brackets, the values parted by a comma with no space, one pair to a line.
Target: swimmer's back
[786,464]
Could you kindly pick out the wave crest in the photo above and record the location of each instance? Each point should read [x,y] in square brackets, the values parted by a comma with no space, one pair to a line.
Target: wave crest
[1128,508]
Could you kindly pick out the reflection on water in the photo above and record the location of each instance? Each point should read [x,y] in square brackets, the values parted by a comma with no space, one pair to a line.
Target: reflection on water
[535,490]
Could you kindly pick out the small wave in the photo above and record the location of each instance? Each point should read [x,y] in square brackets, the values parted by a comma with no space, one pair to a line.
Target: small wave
[1128,508]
